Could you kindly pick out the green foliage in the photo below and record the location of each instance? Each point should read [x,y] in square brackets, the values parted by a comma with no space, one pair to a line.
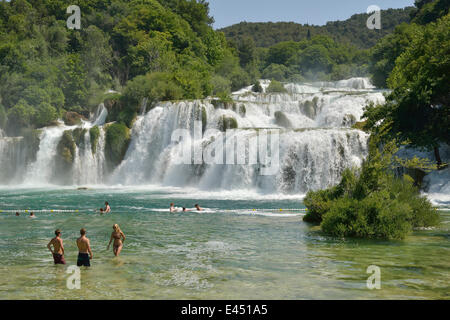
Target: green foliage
[388,50]
[257,87]
[66,148]
[117,140]
[418,109]
[277,72]
[169,44]
[352,30]
[429,10]
[3,117]
[220,84]
[276,87]
[78,136]
[94,135]
[226,123]
[371,202]
[45,115]
[19,116]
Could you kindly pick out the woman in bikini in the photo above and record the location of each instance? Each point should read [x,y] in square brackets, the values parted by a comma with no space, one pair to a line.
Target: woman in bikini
[119,238]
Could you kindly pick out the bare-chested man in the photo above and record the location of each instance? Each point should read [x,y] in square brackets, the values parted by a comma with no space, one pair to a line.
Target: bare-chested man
[84,250]
[58,248]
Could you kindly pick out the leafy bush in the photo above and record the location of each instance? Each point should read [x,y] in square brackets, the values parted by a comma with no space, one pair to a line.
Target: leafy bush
[45,115]
[276,87]
[257,87]
[371,202]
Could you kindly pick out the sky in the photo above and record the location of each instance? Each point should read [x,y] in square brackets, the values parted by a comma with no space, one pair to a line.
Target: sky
[317,12]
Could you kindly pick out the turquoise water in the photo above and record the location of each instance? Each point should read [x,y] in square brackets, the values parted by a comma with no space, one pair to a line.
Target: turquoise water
[233,250]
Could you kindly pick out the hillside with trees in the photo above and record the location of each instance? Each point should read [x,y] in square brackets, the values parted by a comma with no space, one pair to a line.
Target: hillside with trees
[163,50]
[352,31]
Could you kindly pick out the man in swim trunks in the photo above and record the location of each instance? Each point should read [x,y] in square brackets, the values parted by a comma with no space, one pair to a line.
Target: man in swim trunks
[198,207]
[84,250]
[58,248]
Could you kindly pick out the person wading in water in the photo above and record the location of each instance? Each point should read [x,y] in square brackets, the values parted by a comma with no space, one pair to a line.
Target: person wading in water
[58,248]
[117,235]
[84,250]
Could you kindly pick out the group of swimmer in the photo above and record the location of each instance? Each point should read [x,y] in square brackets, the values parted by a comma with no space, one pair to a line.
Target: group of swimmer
[106,209]
[173,209]
[85,255]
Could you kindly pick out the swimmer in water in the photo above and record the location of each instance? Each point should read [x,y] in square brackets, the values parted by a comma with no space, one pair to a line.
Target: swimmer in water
[58,248]
[185,210]
[119,239]
[32,215]
[198,207]
[17,214]
[172,208]
[107,208]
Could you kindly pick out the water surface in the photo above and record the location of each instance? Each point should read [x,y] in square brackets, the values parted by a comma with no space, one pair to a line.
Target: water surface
[241,247]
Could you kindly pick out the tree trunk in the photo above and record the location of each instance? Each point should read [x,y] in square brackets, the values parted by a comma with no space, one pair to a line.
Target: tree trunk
[438,157]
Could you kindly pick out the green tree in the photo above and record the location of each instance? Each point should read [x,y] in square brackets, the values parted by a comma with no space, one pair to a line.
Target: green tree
[418,109]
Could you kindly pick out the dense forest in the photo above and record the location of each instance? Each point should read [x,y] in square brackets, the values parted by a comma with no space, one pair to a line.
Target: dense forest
[352,31]
[162,50]
[159,49]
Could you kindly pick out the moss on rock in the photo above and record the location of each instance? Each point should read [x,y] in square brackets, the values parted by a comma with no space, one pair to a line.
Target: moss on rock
[78,136]
[226,123]
[72,118]
[204,119]
[282,120]
[66,148]
[117,140]
[94,134]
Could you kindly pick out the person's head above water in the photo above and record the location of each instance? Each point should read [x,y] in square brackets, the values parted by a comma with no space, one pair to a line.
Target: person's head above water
[184,209]
[106,203]
[116,228]
[32,214]
[83,231]
[17,214]
[172,204]
[57,232]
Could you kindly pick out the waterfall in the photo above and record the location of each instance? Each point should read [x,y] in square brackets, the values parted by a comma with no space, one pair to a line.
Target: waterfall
[89,166]
[143,106]
[311,123]
[316,142]
[40,172]
[100,115]
[13,159]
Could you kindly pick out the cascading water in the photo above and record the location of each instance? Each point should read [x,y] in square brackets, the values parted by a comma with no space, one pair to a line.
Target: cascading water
[312,122]
[315,141]
[20,167]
